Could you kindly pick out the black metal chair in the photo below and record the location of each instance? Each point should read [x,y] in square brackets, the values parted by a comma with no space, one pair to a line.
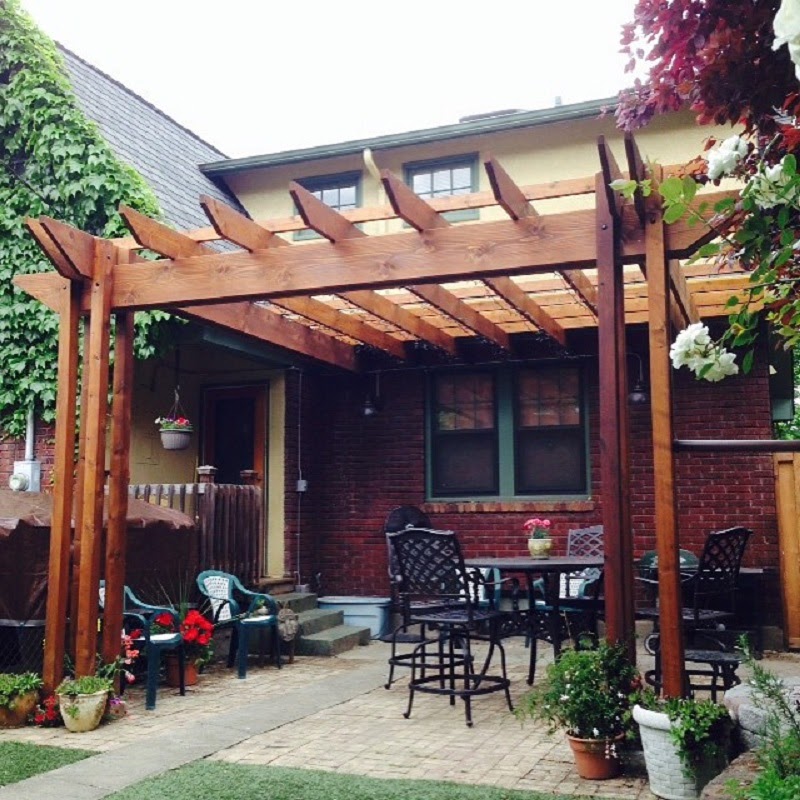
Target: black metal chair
[712,590]
[399,519]
[455,607]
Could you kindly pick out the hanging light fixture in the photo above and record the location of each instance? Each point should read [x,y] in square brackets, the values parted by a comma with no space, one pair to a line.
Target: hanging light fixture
[638,394]
[372,402]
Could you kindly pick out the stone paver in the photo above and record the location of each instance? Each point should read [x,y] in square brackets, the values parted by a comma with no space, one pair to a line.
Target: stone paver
[329,714]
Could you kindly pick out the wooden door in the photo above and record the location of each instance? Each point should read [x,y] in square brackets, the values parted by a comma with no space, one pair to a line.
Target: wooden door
[235,431]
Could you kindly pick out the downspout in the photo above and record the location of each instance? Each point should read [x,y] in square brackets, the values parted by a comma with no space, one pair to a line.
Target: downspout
[30,432]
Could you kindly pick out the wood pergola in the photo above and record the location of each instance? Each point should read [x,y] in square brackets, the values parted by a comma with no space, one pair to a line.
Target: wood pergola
[612,264]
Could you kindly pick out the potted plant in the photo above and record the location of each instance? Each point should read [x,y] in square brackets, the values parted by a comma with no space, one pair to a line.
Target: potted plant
[539,541]
[197,633]
[587,693]
[175,432]
[19,695]
[685,743]
[83,701]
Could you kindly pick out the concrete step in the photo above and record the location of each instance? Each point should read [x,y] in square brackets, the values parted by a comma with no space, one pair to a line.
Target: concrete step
[297,601]
[332,641]
[316,620]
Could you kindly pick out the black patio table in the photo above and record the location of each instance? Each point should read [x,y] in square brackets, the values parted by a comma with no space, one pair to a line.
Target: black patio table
[550,569]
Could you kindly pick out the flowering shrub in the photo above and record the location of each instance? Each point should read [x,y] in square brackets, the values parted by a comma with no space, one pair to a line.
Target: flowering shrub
[196,631]
[173,424]
[588,692]
[47,714]
[537,528]
[694,348]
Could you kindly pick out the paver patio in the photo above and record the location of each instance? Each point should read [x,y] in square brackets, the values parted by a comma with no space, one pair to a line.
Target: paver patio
[330,714]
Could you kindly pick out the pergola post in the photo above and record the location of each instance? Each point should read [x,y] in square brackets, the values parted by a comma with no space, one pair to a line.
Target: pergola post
[63,466]
[614,424]
[116,533]
[669,578]
[93,422]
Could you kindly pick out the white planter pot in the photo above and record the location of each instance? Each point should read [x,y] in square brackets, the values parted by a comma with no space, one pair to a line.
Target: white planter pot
[665,769]
[82,712]
[176,440]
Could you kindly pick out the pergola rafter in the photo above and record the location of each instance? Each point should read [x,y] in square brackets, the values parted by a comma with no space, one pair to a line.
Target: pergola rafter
[500,277]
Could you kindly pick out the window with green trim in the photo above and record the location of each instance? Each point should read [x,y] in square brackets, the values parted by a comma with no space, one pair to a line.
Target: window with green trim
[445,177]
[509,432]
[341,192]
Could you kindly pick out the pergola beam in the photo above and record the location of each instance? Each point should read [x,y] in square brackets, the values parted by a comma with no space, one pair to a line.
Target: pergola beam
[446,254]
[420,215]
[681,294]
[156,236]
[251,236]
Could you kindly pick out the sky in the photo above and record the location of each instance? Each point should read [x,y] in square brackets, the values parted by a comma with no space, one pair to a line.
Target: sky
[261,76]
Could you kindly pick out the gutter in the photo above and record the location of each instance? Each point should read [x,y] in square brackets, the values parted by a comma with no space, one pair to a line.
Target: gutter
[474,127]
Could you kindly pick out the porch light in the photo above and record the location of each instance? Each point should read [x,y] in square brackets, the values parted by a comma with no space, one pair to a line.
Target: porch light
[638,395]
[372,403]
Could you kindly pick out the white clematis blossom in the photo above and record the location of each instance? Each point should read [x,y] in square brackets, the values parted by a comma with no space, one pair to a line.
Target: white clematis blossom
[769,188]
[787,31]
[694,348]
[722,160]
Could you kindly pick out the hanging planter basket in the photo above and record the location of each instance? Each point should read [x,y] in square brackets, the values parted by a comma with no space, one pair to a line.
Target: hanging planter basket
[172,439]
[174,428]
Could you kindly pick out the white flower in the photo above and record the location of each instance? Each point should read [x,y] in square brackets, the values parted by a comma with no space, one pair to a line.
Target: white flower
[694,348]
[595,732]
[723,159]
[564,698]
[787,31]
[769,188]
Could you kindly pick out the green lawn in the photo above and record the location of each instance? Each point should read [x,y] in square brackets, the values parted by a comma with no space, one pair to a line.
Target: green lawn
[246,782]
[20,760]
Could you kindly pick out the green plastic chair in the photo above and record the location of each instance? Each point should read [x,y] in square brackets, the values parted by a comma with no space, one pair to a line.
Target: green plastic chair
[138,615]
[240,609]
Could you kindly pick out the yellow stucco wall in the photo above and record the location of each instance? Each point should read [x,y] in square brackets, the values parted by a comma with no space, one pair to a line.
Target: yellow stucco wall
[534,155]
[203,366]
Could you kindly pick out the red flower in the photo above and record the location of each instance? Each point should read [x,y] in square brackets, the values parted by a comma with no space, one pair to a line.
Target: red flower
[164,620]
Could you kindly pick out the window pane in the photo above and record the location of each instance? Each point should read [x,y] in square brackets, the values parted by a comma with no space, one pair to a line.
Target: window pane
[550,461]
[548,397]
[462,179]
[330,197]
[421,183]
[464,402]
[465,463]
[347,197]
[441,182]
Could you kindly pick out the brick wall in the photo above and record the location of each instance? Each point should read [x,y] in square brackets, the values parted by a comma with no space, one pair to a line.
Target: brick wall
[12,450]
[360,468]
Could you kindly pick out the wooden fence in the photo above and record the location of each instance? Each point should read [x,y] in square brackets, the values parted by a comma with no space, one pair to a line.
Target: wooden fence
[228,522]
[787,487]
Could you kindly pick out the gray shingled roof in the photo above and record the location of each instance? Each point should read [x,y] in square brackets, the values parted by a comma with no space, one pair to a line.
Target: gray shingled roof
[163,152]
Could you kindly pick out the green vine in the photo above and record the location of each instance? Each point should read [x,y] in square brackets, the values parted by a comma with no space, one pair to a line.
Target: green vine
[55,162]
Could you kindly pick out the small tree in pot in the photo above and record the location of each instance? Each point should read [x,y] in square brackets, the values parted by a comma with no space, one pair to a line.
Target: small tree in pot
[587,693]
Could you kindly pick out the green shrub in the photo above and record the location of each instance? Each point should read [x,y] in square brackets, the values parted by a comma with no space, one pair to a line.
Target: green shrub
[14,686]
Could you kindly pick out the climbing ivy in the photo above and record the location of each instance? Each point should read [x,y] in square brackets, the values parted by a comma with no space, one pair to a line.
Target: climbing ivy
[53,161]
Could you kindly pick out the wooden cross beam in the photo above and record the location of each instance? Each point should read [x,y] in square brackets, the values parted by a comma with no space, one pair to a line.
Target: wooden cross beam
[279,331]
[251,236]
[330,224]
[501,247]
[513,201]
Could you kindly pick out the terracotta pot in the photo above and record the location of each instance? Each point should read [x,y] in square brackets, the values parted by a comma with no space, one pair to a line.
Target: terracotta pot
[596,759]
[540,548]
[172,675]
[17,717]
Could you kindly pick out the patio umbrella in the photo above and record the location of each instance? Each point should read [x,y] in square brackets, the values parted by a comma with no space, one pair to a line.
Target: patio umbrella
[160,541]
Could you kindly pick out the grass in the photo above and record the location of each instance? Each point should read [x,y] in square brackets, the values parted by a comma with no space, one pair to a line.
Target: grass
[247,782]
[20,760]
